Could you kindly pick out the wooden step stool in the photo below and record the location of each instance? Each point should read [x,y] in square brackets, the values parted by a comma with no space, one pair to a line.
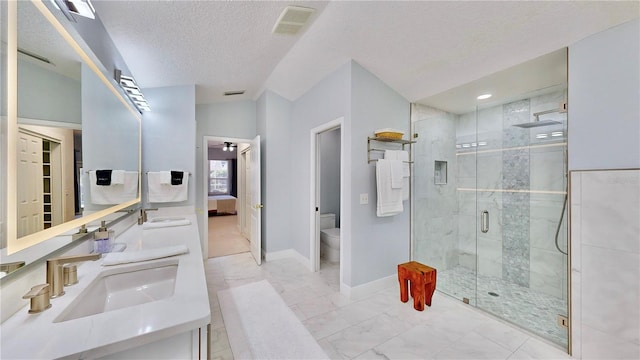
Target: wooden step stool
[423,283]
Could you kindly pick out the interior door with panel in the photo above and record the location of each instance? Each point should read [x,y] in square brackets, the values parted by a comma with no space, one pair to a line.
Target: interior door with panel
[256,200]
[30,189]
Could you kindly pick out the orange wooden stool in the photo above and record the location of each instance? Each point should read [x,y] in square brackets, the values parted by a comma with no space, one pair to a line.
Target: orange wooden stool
[423,283]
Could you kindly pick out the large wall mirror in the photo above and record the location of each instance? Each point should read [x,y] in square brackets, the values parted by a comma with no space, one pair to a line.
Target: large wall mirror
[70,120]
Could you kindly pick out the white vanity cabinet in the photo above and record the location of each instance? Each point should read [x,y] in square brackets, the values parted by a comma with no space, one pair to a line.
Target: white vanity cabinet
[81,325]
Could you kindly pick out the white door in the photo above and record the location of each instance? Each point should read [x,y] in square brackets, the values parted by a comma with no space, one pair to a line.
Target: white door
[256,201]
[30,193]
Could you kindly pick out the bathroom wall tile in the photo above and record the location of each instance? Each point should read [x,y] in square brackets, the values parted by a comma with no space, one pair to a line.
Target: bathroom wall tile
[473,346]
[600,345]
[489,170]
[490,257]
[611,198]
[576,264]
[547,168]
[611,292]
[548,271]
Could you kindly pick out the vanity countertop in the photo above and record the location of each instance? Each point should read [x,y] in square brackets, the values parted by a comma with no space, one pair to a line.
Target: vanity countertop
[37,336]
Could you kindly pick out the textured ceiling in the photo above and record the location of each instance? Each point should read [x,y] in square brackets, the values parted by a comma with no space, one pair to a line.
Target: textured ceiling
[419,48]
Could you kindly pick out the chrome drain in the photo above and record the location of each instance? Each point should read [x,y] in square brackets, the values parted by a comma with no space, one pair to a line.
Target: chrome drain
[492,293]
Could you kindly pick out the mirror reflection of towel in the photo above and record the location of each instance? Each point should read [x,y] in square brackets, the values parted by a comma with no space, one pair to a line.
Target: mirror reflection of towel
[103,177]
[176,177]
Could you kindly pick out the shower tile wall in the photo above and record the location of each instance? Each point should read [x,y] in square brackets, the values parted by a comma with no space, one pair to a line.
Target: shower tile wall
[435,239]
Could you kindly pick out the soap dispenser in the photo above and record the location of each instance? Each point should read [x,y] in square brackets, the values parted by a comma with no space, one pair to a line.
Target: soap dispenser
[102,239]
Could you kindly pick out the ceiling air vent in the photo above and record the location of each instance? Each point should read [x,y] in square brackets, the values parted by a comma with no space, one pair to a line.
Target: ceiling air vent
[236,92]
[292,20]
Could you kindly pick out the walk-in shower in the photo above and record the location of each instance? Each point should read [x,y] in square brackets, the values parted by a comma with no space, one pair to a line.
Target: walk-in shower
[494,229]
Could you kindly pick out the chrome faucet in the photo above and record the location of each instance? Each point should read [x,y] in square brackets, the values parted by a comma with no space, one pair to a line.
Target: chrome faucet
[143,215]
[55,276]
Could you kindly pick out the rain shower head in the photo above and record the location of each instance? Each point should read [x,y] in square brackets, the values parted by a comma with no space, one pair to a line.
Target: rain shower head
[537,123]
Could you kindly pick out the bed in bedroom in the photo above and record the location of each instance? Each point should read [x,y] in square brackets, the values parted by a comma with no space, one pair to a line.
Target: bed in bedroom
[222,205]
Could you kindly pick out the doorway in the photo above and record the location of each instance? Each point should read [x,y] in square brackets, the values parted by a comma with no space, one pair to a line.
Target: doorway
[327,152]
[229,188]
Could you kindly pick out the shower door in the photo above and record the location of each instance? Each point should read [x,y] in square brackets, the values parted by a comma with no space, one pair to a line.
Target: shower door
[520,192]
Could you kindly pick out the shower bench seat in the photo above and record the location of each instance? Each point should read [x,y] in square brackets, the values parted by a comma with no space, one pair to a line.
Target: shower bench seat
[423,283]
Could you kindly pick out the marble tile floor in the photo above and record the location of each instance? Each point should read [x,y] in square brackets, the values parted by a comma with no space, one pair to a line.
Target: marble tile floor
[530,309]
[378,327]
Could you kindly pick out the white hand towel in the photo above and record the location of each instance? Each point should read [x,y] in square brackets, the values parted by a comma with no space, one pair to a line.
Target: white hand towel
[114,193]
[402,156]
[117,177]
[161,193]
[389,199]
[164,224]
[142,255]
[165,177]
[396,174]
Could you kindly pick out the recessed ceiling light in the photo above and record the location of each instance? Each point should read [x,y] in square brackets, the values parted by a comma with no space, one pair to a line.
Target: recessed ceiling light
[484,96]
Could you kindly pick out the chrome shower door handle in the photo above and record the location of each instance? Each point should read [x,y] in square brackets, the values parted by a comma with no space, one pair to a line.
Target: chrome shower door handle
[484,221]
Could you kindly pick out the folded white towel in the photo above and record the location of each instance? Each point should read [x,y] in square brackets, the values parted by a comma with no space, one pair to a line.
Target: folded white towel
[402,156]
[114,193]
[142,255]
[164,224]
[165,177]
[389,199]
[396,174]
[117,177]
[160,193]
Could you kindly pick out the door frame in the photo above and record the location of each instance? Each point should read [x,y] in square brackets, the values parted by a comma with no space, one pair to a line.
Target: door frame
[314,192]
[205,184]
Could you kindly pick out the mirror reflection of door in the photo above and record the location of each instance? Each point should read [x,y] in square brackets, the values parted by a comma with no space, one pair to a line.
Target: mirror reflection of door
[46,191]
[30,188]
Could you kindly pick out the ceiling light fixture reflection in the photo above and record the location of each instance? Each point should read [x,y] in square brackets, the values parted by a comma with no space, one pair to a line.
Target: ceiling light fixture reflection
[484,96]
[542,136]
[557,133]
[132,90]
[482,143]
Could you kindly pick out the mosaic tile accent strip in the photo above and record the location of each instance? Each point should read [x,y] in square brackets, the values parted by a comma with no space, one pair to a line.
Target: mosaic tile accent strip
[532,310]
[515,206]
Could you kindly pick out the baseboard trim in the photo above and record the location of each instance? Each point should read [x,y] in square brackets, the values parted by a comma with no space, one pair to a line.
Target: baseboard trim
[286,254]
[365,290]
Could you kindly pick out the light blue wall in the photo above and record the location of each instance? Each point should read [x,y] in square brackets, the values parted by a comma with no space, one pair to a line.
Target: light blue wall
[604,105]
[47,95]
[326,101]
[378,244]
[273,124]
[230,119]
[330,173]
[168,136]
[233,119]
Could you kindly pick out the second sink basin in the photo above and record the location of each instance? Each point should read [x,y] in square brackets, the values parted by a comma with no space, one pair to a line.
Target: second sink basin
[122,287]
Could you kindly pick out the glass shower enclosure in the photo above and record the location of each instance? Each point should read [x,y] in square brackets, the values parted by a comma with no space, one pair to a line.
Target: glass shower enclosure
[489,204]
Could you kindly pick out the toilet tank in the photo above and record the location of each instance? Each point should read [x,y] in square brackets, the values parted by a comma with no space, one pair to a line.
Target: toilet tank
[327,221]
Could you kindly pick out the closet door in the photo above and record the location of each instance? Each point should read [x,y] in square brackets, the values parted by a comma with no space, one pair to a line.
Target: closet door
[30,186]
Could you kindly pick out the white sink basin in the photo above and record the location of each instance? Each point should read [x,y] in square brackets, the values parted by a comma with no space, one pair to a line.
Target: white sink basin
[122,287]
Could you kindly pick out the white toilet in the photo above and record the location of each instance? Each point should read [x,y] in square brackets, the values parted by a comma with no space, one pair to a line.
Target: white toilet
[329,238]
